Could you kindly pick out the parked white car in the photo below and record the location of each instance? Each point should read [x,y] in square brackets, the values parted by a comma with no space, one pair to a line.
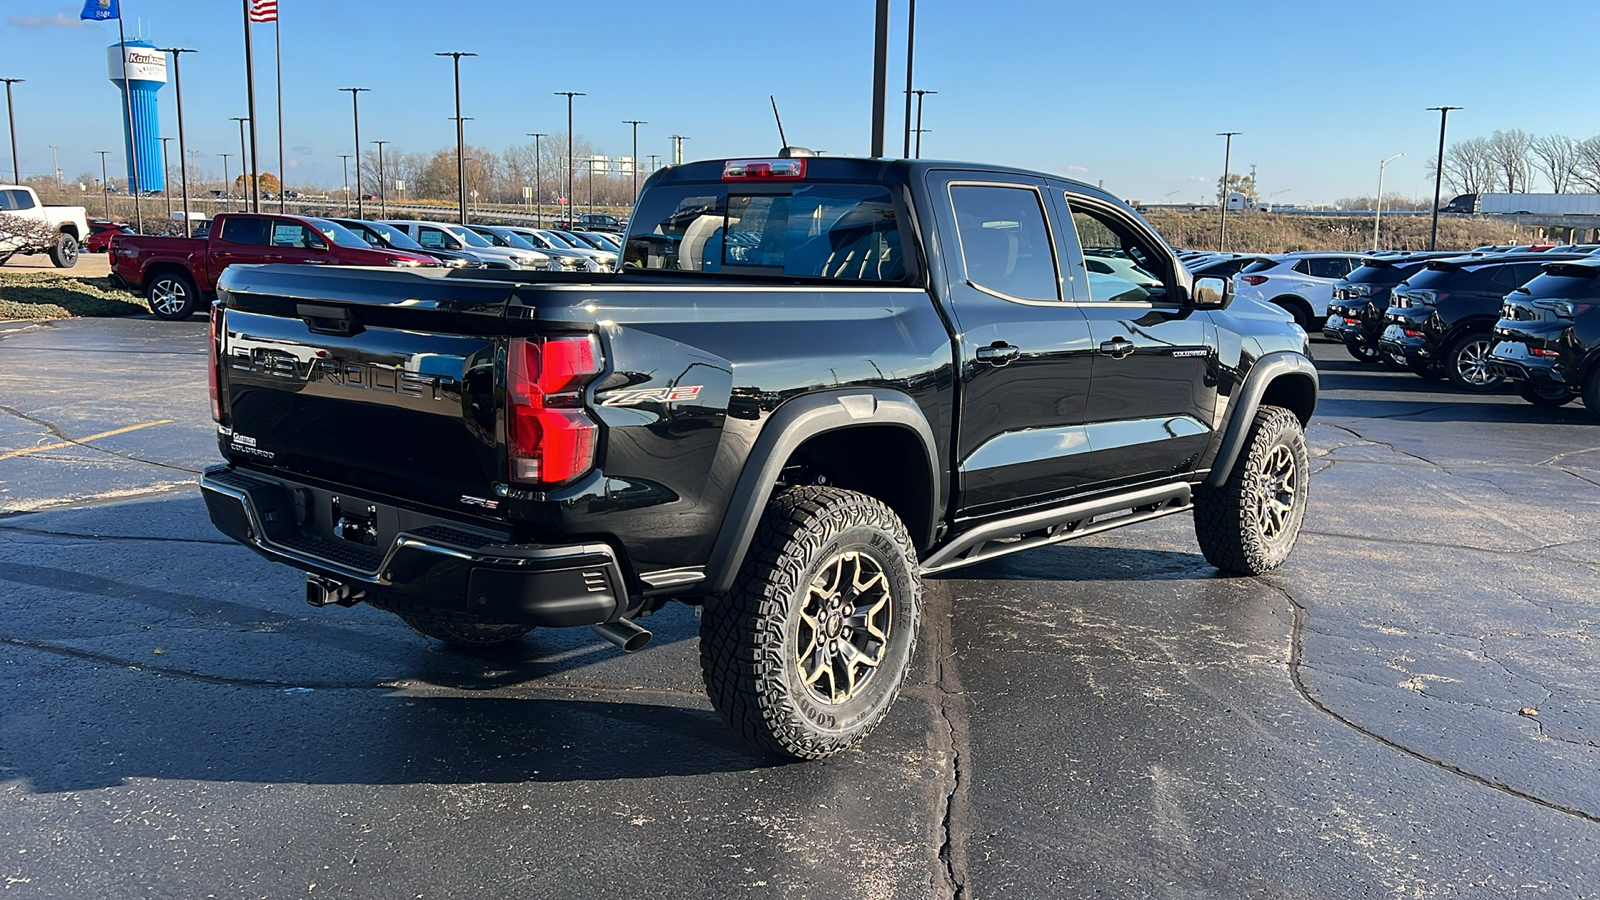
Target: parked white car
[1301,283]
[450,236]
[56,230]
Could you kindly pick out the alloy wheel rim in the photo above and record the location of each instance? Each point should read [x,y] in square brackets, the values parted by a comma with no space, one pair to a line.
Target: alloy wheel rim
[1275,495]
[1473,363]
[169,297]
[844,627]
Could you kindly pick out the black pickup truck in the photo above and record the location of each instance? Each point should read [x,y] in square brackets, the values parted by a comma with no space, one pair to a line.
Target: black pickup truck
[815,382]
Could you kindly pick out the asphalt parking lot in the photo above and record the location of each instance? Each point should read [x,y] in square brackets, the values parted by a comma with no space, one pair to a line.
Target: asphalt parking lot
[1407,708]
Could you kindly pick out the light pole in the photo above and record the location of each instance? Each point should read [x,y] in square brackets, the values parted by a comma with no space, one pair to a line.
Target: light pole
[346,158]
[1438,173]
[16,168]
[635,123]
[355,110]
[911,52]
[1227,161]
[105,186]
[244,161]
[1377,214]
[1274,194]
[461,139]
[880,75]
[383,202]
[55,165]
[920,95]
[677,148]
[570,162]
[183,174]
[166,175]
[538,181]
[224,176]
[653,166]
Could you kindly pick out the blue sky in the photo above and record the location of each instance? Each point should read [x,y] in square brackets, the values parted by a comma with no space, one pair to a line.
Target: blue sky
[1131,94]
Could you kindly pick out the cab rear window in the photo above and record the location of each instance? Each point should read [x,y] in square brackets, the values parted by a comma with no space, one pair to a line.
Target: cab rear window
[839,231]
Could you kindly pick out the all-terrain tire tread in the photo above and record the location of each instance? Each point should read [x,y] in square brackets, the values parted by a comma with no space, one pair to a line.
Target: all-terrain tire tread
[1224,523]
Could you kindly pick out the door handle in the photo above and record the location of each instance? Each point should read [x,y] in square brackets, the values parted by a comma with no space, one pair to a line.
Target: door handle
[998,353]
[1117,348]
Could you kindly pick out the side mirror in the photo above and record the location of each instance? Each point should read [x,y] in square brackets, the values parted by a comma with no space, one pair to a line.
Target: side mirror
[320,246]
[1212,292]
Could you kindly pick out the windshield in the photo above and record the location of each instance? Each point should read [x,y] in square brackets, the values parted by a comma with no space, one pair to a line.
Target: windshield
[513,239]
[578,240]
[397,239]
[1383,272]
[1260,265]
[1573,283]
[812,230]
[340,235]
[605,243]
[556,240]
[467,235]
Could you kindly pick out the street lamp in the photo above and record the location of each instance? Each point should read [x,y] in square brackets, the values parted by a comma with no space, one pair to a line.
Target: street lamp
[346,158]
[244,161]
[355,109]
[1274,194]
[1377,214]
[55,165]
[166,175]
[383,202]
[570,161]
[105,185]
[920,95]
[538,180]
[183,172]
[1227,160]
[677,148]
[1438,173]
[224,177]
[16,168]
[635,123]
[461,139]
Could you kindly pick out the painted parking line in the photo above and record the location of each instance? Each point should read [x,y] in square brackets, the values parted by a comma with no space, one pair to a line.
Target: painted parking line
[93,437]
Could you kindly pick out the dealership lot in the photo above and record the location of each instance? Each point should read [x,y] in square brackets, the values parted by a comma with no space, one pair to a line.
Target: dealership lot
[1406,707]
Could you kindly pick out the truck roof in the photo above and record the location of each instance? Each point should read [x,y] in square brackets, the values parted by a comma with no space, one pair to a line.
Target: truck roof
[849,168]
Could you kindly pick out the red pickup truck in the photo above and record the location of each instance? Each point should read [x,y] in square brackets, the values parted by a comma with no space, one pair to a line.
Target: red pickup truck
[176,274]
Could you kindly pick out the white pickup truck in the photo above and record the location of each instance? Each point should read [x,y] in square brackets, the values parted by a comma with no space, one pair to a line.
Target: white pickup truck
[28,226]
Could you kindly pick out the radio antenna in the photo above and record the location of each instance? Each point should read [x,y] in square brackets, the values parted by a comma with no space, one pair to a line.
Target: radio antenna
[782,141]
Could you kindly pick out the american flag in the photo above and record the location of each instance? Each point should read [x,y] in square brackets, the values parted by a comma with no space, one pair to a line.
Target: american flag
[263,10]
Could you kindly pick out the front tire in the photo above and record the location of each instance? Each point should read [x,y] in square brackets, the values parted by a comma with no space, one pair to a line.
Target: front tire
[807,652]
[1467,364]
[1549,397]
[1249,524]
[64,252]
[172,296]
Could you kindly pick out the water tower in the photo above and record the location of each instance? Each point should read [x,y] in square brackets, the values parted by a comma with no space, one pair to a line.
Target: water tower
[147,72]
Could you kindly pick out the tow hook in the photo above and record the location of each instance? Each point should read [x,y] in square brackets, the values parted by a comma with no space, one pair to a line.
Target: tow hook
[322,592]
[624,633]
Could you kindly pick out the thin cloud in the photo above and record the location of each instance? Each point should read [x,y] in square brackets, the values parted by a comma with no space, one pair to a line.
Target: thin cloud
[1077,170]
[59,20]
[1200,179]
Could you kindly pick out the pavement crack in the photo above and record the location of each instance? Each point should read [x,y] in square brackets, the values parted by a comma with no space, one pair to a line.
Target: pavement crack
[42,532]
[1390,447]
[1297,667]
[950,702]
[60,435]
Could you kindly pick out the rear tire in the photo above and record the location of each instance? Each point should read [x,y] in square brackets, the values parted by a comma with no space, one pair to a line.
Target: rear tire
[1467,363]
[1298,309]
[1423,368]
[172,296]
[1249,524]
[1591,392]
[1548,397]
[64,252]
[807,652]
[1364,353]
[461,629]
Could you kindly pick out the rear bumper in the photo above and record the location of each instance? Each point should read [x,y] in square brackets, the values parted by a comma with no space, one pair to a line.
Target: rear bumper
[433,562]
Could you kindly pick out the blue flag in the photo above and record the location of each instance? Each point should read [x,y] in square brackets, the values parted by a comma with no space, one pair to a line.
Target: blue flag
[100,10]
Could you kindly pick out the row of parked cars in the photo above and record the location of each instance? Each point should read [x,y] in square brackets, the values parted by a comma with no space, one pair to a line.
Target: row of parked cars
[1525,315]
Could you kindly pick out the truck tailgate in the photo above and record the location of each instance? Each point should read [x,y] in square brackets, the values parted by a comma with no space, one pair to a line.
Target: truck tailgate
[383,380]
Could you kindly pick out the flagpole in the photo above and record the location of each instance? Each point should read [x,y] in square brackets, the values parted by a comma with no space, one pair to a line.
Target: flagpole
[277,36]
[133,150]
[250,99]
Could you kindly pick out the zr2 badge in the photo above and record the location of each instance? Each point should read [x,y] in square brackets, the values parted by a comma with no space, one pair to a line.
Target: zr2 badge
[652,395]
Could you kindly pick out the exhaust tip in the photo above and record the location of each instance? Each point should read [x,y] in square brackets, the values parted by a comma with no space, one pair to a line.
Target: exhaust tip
[624,634]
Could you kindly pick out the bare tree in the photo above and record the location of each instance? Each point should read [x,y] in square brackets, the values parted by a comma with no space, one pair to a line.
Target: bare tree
[1558,158]
[1469,167]
[1586,163]
[1509,152]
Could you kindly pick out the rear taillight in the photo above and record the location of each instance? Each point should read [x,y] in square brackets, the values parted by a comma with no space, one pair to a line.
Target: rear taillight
[764,169]
[549,437]
[1252,279]
[1540,351]
[212,354]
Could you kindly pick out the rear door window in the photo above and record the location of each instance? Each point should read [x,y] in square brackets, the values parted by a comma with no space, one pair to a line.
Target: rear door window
[244,230]
[291,235]
[1005,243]
[842,231]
